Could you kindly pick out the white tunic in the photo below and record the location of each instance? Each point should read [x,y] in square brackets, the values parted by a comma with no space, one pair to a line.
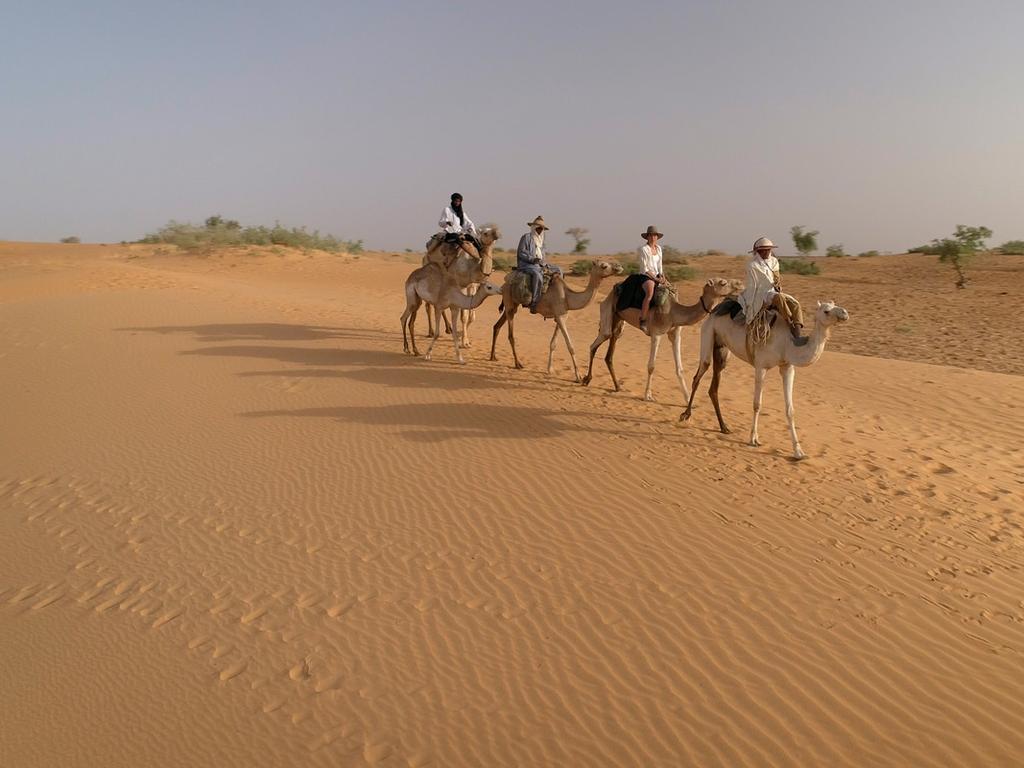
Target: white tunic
[650,260]
[760,287]
[450,223]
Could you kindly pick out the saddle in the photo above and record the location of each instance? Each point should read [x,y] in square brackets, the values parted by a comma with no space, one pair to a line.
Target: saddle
[442,251]
[519,286]
[634,297]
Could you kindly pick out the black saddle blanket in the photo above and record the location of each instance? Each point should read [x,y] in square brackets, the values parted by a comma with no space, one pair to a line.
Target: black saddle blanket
[631,292]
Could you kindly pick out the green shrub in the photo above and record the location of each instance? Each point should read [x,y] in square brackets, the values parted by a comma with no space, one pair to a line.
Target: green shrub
[1013,247]
[72,239]
[581,267]
[835,251]
[867,254]
[502,263]
[928,250]
[805,242]
[629,266]
[798,267]
[678,272]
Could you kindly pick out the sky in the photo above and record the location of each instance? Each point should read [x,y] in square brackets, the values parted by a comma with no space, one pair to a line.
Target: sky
[880,124]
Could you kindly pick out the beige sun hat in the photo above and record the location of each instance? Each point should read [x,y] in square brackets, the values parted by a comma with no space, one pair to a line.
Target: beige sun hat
[762,242]
[538,222]
[651,230]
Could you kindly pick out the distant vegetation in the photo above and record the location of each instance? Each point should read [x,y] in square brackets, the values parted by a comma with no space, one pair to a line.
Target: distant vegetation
[677,272]
[798,267]
[1013,247]
[806,242]
[72,239]
[929,250]
[867,254]
[503,263]
[959,249]
[579,234]
[218,232]
[835,251]
[581,267]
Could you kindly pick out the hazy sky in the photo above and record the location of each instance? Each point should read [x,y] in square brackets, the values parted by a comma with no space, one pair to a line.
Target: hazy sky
[881,123]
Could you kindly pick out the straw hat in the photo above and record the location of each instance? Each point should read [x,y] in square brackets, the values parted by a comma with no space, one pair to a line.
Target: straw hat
[538,222]
[762,242]
[651,230]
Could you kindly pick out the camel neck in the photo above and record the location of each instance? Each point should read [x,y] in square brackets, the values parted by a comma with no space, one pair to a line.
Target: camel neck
[811,351]
[688,314]
[579,299]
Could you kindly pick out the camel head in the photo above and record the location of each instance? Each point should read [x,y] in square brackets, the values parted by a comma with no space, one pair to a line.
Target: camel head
[605,269]
[718,288]
[829,314]
[488,237]
[490,289]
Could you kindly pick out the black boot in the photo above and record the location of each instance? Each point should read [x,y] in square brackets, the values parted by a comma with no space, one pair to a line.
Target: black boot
[798,338]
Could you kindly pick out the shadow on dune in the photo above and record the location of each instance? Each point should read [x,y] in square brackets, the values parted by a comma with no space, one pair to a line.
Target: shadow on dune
[438,422]
[220,332]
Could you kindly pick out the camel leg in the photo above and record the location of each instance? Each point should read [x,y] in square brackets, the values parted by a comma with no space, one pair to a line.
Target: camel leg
[494,334]
[718,361]
[467,316]
[788,375]
[609,357]
[456,340]
[594,346]
[447,325]
[655,343]
[437,333]
[412,328]
[677,357]
[758,386]
[430,319]
[512,339]
[560,321]
[551,348]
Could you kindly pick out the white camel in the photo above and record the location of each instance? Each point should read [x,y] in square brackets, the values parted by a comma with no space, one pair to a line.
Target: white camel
[721,335]
[441,290]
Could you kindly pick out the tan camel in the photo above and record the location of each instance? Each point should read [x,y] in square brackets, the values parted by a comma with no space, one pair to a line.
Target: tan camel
[556,302]
[659,323]
[721,335]
[440,290]
[467,267]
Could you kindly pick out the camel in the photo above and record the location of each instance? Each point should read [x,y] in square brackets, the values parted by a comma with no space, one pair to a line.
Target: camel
[556,302]
[721,335]
[440,290]
[659,323]
[469,269]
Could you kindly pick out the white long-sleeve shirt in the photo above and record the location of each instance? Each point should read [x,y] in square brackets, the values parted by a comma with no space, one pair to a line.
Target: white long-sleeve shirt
[760,287]
[650,260]
[450,223]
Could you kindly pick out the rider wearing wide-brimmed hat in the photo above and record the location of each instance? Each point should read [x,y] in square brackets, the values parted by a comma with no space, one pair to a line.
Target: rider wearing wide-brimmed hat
[530,258]
[764,288]
[651,269]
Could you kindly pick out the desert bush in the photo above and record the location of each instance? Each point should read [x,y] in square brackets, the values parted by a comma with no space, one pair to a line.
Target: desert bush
[867,254]
[928,250]
[835,251]
[71,239]
[218,232]
[1013,247]
[806,242]
[503,263]
[630,266]
[678,272]
[672,255]
[579,234]
[959,249]
[581,267]
[798,267]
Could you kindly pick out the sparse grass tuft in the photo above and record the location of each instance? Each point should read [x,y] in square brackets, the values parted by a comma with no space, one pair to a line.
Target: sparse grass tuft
[72,239]
[1013,247]
[503,263]
[867,254]
[678,272]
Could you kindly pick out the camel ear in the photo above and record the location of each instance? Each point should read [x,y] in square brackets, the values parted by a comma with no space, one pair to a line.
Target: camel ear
[819,304]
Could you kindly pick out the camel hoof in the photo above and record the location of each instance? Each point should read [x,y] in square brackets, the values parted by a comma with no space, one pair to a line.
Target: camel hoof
[493,358]
[585,381]
[519,366]
[726,431]
[799,455]
[685,415]
[755,443]
[578,379]
[461,361]
[427,357]
[649,398]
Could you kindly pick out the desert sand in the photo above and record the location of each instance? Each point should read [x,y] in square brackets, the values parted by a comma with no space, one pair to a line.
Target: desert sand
[238,527]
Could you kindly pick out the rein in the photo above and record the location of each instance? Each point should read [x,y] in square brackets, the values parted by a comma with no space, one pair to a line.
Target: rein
[704,306]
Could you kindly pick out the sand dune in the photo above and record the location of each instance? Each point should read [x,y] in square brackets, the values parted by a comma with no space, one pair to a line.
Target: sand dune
[239,527]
